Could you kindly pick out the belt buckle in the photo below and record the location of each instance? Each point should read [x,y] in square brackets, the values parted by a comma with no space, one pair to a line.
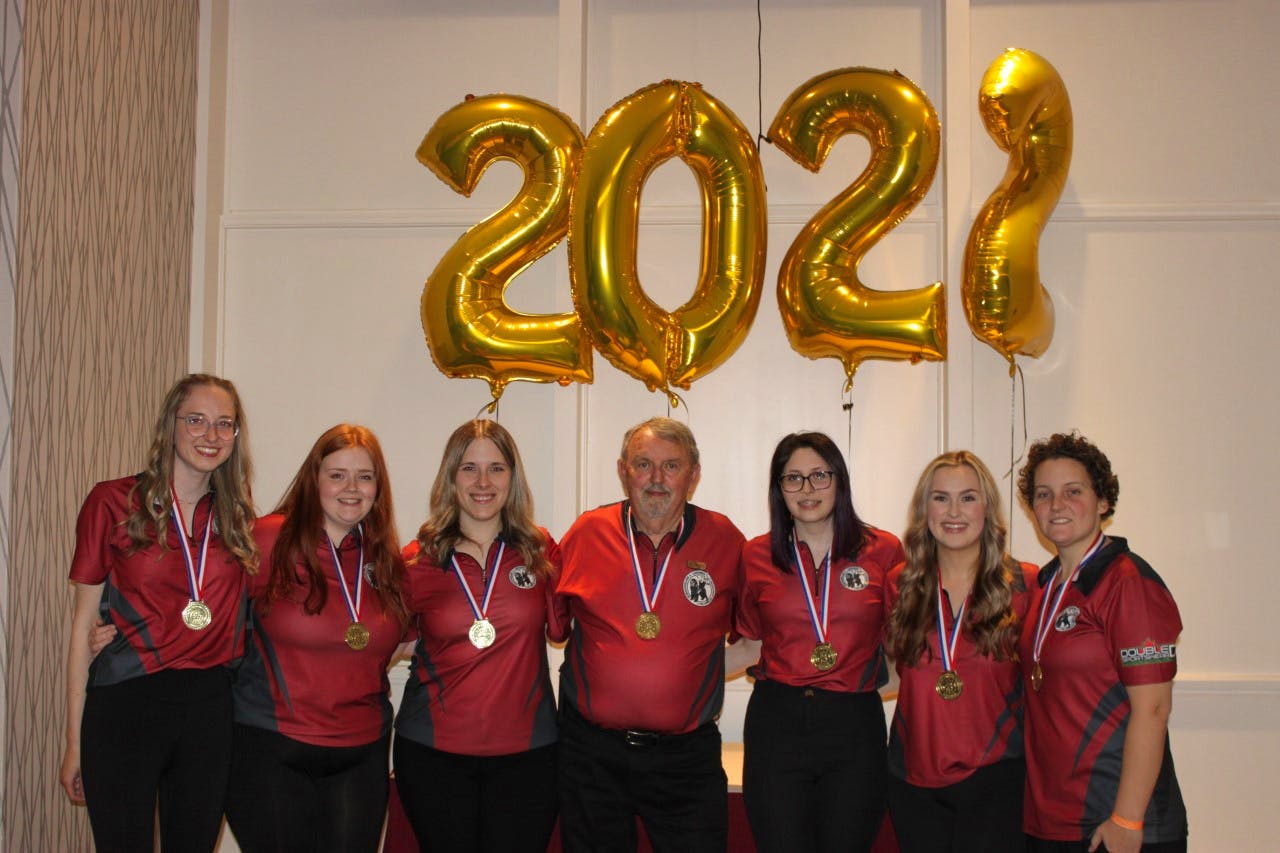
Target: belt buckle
[634,737]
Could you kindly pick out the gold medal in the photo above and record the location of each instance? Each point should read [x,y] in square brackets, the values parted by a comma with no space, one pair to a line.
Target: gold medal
[823,657]
[357,636]
[1037,677]
[648,625]
[482,634]
[196,615]
[949,685]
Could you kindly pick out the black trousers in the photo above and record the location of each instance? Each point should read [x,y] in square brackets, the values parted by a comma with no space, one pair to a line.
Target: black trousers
[814,768]
[161,740]
[674,783]
[980,814]
[1041,845]
[286,795]
[474,803]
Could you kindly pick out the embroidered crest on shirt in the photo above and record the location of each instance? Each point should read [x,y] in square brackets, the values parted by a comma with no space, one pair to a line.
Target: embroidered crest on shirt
[521,577]
[855,578]
[699,588]
[1067,619]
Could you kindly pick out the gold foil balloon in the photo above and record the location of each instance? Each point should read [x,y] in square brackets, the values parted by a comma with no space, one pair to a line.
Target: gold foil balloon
[1025,108]
[636,135]
[470,329]
[826,309]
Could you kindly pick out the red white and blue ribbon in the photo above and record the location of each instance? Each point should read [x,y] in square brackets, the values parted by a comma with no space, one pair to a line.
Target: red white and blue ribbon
[195,576]
[480,609]
[948,642]
[1042,624]
[649,599]
[817,617]
[353,604]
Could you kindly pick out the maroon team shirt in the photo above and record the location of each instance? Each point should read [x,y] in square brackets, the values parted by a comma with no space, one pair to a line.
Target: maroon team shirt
[1116,627]
[299,677]
[673,683]
[774,611]
[935,742]
[470,701]
[145,590]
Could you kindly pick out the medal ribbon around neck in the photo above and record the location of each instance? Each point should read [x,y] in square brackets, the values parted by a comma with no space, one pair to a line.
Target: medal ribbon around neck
[1042,625]
[649,600]
[480,610]
[948,644]
[195,577]
[816,618]
[353,604]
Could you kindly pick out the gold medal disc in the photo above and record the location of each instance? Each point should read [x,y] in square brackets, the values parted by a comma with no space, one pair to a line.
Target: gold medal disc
[1037,677]
[357,636]
[196,615]
[648,625]
[482,634]
[823,657]
[949,685]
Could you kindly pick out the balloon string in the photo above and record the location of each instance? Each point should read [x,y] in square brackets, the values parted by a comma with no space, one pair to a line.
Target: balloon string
[491,407]
[1015,375]
[847,405]
[675,401]
[760,137]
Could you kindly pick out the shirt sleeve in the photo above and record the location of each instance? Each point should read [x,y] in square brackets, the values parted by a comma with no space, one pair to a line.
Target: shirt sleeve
[1142,628]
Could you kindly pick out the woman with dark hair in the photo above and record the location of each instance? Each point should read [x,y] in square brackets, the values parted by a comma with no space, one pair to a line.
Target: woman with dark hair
[162,557]
[476,733]
[955,750]
[814,596]
[1098,655]
[312,711]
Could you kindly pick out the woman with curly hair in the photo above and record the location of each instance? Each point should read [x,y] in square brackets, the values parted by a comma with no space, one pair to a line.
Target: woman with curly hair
[1098,655]
[814,591]
[476,733]
[312,711]
[162,557]
[955,748]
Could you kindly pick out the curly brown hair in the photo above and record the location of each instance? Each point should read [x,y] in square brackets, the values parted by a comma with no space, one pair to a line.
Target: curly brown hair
[1071,445]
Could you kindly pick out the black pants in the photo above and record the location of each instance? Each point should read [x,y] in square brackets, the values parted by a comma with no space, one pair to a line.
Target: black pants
[1040,845]
[814,768]
[158,740]
[286,795]
[465,803]
[980,814]
[675,784]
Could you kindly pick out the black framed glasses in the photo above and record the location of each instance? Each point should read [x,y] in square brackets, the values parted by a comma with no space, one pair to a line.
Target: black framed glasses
[818,479]
[198,425]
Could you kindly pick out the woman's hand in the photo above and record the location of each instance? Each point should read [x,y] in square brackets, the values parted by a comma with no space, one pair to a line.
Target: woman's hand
[1116,838]
[69,775]
[100,637]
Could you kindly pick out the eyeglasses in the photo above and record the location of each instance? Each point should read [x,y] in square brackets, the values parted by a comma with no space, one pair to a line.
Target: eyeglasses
[198,425]
[818,479]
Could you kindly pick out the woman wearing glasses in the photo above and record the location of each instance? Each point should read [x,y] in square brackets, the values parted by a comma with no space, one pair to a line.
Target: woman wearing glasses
[162,556]
[313,716]
[814,596]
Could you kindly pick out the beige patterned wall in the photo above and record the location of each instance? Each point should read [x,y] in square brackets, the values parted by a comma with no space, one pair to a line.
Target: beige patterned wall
[104,267]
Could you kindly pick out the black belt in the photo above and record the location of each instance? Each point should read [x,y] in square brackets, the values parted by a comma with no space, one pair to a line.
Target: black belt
[636,737]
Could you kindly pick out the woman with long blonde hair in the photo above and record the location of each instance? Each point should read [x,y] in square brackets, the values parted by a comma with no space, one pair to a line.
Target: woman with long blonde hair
[163,557]
[475,736]
[955,749]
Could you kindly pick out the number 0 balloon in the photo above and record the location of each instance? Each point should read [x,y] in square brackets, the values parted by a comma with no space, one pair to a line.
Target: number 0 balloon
[1025,108]
[470,329]
[636,135]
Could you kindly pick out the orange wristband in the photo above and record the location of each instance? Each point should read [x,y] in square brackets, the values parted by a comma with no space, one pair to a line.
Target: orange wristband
[1135,825]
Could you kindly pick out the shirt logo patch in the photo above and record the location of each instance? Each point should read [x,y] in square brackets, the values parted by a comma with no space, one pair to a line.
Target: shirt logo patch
[521,577]
[1149,652]
[855,578]
[1067,619]
[367,570]
[699,588]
